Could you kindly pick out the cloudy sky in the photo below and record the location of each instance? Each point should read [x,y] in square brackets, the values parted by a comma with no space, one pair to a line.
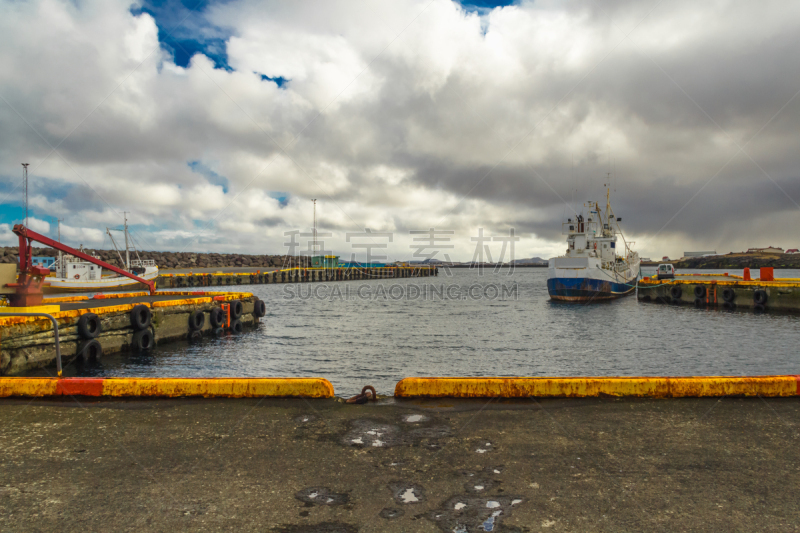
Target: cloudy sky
[214,124]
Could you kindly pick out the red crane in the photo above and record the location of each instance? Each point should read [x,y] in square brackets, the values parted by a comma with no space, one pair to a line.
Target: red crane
[29,282]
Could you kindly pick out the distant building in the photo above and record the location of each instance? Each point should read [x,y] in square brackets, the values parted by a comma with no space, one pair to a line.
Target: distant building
[793,251]
[646,260]
[665,258]
[699,254]
[45,262]
[767,250]
[325,261]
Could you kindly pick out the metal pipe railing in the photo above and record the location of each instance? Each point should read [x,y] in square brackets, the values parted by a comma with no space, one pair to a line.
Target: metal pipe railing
[55,333]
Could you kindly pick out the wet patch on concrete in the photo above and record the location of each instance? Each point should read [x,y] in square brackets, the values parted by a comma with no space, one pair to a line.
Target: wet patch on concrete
[468,512]
[405,493]
[376,434]
[484,447]
[321,496]
[304,419]
[494,470]
[324,527]
[390,513]
[414,419]
[479,485]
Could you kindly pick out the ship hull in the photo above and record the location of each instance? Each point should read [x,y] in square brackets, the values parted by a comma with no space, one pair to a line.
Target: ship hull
[116,283]
[586,289]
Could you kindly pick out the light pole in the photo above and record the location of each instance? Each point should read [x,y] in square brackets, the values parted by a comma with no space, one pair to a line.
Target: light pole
[25,186]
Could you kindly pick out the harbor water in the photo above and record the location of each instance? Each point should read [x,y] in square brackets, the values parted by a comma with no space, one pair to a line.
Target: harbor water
[471,323]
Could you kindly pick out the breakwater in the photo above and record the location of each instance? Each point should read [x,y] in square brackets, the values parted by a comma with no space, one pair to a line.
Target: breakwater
[90,328]
[166,260]
[738,261]
[294,275]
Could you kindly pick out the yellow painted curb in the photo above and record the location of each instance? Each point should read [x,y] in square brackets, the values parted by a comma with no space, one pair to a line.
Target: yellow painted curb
[168,387]
[49,309]
[651,387]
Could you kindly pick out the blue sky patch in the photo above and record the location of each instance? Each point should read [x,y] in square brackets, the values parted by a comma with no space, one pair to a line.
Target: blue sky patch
[280,81]
[483,6]
[282,197]
[183,30]
[212,177]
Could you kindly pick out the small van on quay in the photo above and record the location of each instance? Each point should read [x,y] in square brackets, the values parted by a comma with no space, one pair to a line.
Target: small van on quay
[666,271]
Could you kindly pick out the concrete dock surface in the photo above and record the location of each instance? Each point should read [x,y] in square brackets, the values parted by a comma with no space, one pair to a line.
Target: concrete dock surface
[295,465]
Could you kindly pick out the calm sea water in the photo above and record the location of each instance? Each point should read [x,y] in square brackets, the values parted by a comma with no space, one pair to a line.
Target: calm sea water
[377,332]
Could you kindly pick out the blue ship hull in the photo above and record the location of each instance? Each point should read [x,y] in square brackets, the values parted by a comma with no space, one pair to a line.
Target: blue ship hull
[586,289]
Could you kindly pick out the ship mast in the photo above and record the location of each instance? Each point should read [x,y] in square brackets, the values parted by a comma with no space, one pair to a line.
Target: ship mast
[127,252]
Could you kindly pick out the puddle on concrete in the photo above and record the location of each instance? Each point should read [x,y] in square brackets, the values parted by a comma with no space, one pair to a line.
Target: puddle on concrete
[324,527]
[321,496]
[413,419]
[304,419]
[405,493]
[484,447]
[470,512]
[478,486]
[376,434]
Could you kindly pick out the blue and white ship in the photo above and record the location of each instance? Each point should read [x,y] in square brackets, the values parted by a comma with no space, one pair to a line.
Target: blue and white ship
[592,268]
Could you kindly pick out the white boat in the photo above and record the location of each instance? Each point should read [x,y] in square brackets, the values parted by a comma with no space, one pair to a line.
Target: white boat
[592,269]
[76,275]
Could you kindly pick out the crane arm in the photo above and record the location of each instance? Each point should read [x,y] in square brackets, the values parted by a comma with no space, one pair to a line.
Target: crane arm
[26,234]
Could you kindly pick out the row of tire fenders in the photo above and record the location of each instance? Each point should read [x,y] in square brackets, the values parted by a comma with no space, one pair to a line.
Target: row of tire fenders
[225,317]
[760,296]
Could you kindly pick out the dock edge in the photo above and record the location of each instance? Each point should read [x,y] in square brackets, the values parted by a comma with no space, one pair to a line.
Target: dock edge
[167,387]
[579,387]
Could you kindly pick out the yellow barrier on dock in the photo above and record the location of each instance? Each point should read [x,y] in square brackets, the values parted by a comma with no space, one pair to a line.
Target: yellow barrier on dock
[651,387]
[168,387]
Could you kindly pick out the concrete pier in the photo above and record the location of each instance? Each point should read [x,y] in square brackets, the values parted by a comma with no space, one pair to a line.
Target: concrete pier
[296,275]
[89,327]
[443,465]
[718,290]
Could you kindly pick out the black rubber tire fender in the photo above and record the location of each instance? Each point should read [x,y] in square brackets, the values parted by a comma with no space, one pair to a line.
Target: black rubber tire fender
[676,292]
[89,352]
[728,294]
[759,308]
[236,310]
[259,308]
[197,320]
[195,335]
[216,317]
[760,297]
[219,332]
[699,302]
[89,326]
[236,326]
[141,317]
[142,340]
[699,291]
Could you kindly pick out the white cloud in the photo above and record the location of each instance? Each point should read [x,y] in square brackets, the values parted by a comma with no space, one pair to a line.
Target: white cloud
[408,114]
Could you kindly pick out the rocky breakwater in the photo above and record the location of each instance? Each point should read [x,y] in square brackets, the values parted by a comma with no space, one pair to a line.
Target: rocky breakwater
[740,261]
[167,260]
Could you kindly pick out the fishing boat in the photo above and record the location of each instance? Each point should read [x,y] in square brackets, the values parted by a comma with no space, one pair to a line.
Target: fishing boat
[592,269]
[76,275]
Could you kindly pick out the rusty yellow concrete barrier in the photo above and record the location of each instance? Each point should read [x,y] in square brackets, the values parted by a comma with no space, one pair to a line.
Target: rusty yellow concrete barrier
[167,387]
[650,387]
